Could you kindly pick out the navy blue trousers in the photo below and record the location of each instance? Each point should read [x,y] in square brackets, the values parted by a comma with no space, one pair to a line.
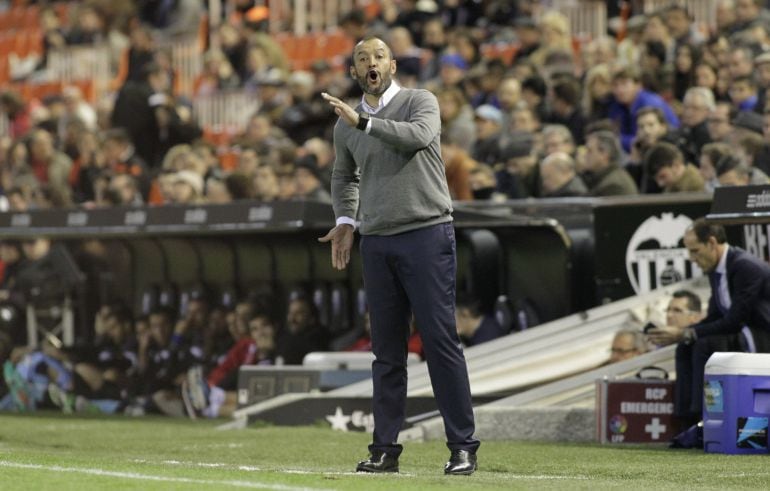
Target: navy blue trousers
[407,273]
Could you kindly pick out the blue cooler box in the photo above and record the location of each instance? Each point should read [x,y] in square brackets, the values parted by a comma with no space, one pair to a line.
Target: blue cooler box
[736,403]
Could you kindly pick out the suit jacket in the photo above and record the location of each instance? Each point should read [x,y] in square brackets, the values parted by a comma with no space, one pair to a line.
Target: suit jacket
[748,281]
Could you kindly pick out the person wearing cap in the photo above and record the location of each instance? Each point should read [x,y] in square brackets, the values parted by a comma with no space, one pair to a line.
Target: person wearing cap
[489,135]
[187,187]
[520,176]
[389,182]
[762,78]
[453,70]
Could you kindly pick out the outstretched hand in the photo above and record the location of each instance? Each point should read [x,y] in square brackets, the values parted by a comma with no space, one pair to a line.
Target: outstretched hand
[341,238]
[341,109]
[665,335]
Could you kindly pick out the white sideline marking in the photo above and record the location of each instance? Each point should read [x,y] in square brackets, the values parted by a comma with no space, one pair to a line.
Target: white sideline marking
[249,468]
[149,477]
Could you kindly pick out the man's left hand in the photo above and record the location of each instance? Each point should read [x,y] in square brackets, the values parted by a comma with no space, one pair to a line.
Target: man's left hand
[665,335]
[341,109]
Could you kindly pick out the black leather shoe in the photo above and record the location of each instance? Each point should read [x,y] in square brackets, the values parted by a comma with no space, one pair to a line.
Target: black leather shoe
[378,461]
[461,463]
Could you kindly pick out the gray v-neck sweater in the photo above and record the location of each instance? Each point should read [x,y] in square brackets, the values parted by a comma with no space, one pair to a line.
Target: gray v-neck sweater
[393,178]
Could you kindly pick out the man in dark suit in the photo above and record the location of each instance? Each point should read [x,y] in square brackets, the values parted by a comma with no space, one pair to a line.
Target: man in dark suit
[738,317]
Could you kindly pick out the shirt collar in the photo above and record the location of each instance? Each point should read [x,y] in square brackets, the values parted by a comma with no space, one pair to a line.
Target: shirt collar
[389,94]
[722,265]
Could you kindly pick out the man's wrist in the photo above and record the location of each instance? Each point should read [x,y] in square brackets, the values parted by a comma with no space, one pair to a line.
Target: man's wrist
[346,221]
[688,335]
[363,121]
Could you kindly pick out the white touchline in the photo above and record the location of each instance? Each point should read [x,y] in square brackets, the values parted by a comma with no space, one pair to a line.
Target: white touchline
[149,477]
[535,477]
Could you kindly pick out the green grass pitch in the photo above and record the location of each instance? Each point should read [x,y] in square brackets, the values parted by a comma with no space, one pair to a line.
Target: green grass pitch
[58,452]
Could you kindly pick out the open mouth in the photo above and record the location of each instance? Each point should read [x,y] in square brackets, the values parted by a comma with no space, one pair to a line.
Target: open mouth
[373,76]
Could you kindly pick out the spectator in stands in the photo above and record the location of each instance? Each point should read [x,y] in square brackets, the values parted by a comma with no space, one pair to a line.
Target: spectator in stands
[122,159]
[453,70]
[407,55]
[524,119]
[148,113]
[566,109]
[272,95]
[519,178]
[738,316]
[558,177]
[629,98]
[126,188]
[656,75]
[187,188]
[732,170]
[484,184]
[324,154]
[435,42]
[656,31]
[597,93]
[217,75]
[706,76]
[719,121]
[307,182]
[301,334]
[533,92]
[89,26]
[489,138]
[604,176]
[528,34]
[685,60]
[17,173]
[680,26]
[711,154]
[555,35]
[557,138]
[473,326]
[307,116]
[458,167]
[762,78]
[697,104]
[49,165]
[667,166]
[743,93]
[266,187]
[627,344]
[457,117]
[747,12]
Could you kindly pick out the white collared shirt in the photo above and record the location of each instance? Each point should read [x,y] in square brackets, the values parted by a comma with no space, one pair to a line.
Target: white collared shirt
[387,96]
[724,292]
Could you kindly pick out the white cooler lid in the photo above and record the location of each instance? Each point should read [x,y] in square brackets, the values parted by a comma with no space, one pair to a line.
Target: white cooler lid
[738,364]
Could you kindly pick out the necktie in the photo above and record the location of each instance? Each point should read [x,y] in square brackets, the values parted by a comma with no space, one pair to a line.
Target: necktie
[716,281]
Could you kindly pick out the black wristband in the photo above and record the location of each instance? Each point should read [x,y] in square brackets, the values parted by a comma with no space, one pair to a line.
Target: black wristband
[363,120]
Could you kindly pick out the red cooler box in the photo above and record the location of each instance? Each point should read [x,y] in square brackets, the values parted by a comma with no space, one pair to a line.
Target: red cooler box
[634,410]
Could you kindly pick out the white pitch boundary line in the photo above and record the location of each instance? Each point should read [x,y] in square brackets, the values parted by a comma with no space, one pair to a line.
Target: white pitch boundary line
[149,477]
[249,468]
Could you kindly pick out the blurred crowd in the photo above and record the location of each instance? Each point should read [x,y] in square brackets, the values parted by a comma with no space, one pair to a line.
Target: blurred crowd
[528,109]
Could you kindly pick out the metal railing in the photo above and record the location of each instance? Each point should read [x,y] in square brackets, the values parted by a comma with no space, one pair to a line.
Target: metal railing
[225,112]
[702,11]
[587,18]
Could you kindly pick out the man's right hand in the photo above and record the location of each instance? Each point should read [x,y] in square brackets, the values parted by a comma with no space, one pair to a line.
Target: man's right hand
[341,238]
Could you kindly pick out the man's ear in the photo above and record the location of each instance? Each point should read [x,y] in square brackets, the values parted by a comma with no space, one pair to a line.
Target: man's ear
[352,72]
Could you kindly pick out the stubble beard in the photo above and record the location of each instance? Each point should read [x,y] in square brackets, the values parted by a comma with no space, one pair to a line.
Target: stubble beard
[363,82]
